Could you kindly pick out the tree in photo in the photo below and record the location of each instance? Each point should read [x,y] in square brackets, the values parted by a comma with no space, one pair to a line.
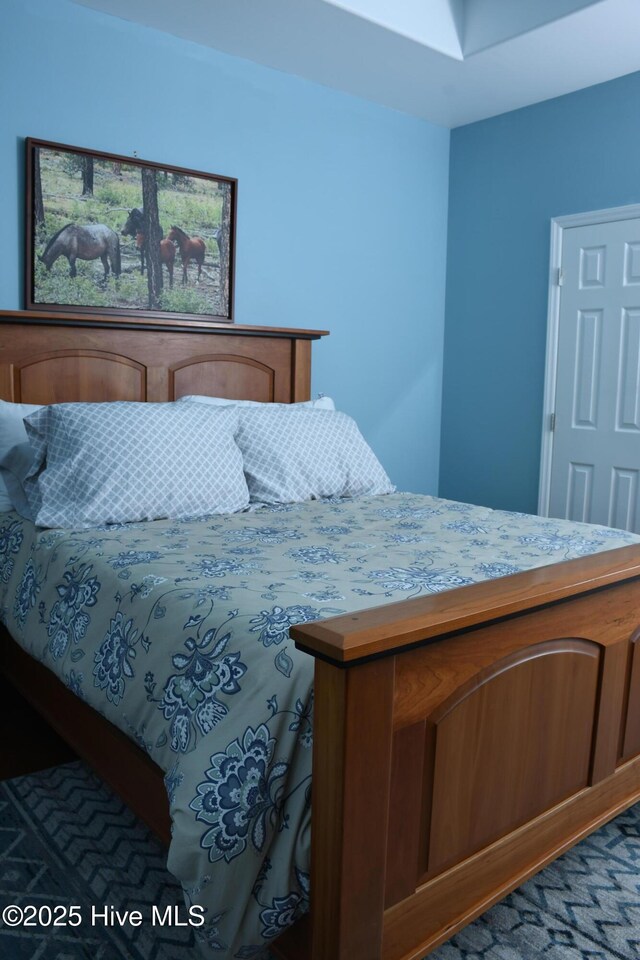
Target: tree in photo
[152,236]
[224,237]
[87,176]
[38,203]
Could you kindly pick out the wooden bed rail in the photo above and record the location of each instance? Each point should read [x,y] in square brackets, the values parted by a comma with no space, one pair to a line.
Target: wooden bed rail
[461,742]
[395,626]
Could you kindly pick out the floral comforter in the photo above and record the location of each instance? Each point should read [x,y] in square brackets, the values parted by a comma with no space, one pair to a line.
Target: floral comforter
[177,631]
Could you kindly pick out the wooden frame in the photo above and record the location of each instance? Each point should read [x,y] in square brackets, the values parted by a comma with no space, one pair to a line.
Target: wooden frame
[461,741]
[65,218]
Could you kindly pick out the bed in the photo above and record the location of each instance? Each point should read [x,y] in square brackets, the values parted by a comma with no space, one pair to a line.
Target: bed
[461,740]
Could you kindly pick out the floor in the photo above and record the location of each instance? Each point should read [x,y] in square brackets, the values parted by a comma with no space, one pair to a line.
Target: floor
[27,743]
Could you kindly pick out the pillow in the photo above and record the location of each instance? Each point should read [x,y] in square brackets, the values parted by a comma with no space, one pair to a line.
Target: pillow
[12,433]
[321,403]
[98,463]
[14,468]
[291,455]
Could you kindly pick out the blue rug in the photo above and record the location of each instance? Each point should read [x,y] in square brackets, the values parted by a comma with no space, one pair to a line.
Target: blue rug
[66,839]
[584,906]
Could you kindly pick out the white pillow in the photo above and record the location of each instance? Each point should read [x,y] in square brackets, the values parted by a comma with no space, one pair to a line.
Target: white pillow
[120,461]
[291,455]
[12,434]
[322,403]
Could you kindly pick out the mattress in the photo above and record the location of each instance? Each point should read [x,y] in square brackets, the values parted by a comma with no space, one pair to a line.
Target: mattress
[178,633]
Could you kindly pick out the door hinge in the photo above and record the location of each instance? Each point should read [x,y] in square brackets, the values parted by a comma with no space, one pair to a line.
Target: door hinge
[560,276]
[552,422]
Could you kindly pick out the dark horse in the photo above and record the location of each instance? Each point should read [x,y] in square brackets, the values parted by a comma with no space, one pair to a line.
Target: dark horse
[191,248]
[134,226]
[167,253]
[84,243]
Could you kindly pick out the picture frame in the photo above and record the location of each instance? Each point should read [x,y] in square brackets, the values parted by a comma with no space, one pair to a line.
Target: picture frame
[127,239]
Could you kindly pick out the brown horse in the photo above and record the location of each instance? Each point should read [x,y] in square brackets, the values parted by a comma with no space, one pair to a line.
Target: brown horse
[191,248]
[167,253]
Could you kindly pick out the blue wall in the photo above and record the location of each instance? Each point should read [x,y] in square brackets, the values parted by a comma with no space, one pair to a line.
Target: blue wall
[342,204]
[508,177]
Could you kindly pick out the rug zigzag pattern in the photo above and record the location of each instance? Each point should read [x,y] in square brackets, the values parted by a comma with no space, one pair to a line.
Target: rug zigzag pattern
[65,838]
[83,846]
[584,906]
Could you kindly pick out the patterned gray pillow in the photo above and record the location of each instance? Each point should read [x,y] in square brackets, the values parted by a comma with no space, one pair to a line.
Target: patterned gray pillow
[291,455]
[116,462]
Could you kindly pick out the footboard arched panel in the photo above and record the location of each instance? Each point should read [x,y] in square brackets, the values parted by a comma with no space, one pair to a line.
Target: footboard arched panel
[508,746]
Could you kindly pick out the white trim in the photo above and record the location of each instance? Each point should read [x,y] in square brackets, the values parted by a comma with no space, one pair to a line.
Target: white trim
[551,365]
[558,226]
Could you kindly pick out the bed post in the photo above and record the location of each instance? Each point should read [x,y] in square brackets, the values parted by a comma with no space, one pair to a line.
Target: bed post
[352,767]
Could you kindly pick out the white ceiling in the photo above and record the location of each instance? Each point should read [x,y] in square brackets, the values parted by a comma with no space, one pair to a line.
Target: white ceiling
[448,61]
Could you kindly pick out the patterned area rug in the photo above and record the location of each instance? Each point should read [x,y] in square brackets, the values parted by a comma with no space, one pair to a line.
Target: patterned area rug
[65,840]
[584,906]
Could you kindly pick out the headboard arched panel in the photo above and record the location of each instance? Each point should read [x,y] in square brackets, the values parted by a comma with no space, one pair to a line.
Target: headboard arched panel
[59,376]
[238,378]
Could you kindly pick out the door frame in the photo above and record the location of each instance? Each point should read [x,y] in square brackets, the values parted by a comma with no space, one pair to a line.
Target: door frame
[558,226]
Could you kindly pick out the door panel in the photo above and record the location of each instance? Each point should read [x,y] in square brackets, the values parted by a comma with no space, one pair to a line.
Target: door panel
[628,417]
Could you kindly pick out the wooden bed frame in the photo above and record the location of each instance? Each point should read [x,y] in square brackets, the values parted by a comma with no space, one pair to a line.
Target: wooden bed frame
[461,741]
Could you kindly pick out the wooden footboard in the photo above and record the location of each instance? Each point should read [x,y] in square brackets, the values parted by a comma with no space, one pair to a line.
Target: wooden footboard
[461,743]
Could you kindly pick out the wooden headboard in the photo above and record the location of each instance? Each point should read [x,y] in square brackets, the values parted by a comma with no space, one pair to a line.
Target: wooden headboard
[52,360]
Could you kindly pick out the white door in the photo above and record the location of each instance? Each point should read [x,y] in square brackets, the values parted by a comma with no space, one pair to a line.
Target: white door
[595,462]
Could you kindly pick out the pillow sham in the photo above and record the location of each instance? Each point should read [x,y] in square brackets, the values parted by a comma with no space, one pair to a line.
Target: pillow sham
[12,433]
[121,461]
[321,403]
[292,455]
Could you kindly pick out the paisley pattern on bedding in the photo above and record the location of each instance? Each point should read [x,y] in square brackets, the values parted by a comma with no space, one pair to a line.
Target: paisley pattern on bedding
[178,632]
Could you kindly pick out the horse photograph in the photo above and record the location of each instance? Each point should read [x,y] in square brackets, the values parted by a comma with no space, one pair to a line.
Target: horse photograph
[105,233]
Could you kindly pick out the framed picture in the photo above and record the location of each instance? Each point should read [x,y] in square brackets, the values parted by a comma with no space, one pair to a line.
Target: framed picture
[127,239]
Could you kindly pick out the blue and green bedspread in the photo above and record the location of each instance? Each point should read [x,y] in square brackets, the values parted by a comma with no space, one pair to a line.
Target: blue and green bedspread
[178,632]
